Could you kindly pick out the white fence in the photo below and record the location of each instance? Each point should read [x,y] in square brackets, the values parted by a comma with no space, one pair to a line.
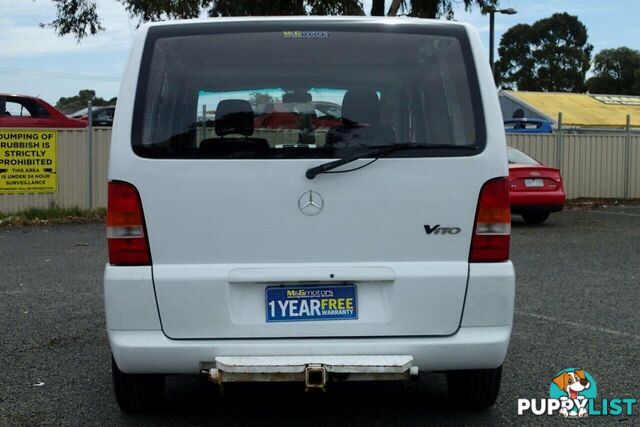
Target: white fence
[593,166]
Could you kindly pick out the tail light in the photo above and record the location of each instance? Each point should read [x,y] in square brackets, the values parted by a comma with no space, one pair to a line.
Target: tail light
[126,234]
[492,229]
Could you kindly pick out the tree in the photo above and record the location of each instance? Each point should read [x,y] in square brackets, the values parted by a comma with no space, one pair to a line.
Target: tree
[616,72]
[377,8]
[552,55]
[80,18]
[516,64]
[261,98]
[442,8]
[428,8]
[74,103]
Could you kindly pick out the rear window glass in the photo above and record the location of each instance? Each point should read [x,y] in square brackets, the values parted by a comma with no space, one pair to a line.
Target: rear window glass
[281,93]
[518,157]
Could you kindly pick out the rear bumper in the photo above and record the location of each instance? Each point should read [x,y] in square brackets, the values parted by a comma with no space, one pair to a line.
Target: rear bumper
[551,201]
[139,345]
[153,352]
[519,209]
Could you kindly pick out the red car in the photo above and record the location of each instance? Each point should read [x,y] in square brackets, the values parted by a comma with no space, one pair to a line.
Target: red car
[535,190]
[282,116]
[18,111]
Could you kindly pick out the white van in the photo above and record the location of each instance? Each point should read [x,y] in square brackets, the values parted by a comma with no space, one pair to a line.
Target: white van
[308,199]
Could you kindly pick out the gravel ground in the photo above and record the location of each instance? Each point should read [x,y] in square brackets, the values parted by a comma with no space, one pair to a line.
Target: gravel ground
[577,306]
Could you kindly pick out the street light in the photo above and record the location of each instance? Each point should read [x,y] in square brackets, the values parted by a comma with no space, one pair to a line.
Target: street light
[492,11]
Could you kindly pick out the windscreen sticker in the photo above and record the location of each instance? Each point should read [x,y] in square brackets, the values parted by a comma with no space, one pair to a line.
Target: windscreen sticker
[305,34]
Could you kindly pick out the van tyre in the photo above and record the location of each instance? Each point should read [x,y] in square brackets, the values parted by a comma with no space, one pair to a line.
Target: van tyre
[535,217]
[474,389]
[136,393]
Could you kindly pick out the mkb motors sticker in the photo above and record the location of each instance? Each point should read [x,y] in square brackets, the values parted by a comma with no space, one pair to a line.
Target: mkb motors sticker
[573,393]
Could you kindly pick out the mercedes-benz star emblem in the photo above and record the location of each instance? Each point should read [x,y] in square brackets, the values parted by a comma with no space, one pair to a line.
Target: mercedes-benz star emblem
[310,203]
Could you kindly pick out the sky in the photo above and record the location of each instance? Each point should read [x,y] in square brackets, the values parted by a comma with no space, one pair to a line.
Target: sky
[35,61]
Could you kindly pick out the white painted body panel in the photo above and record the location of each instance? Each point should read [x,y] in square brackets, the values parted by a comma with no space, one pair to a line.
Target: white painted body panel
[220,231]
[152,352]
[201,299]
[481,342]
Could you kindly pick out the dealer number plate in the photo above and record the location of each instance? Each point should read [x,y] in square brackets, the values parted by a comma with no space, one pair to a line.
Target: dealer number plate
[536,182]
[318,302]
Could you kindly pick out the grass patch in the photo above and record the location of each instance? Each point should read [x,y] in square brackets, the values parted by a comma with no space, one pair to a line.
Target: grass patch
[52,215]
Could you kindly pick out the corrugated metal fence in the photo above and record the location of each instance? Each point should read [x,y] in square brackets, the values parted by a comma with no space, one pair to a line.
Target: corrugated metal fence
[73,172]
[593,166]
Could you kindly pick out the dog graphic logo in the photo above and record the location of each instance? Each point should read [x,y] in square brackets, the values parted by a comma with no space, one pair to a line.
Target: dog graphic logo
[574,388]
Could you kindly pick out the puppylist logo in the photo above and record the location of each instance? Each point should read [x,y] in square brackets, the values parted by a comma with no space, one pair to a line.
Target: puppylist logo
[573,393]
[573,388]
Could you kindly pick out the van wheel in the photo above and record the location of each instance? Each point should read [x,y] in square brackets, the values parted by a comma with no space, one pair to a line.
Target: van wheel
[136,393]
[535,217]
[474,389]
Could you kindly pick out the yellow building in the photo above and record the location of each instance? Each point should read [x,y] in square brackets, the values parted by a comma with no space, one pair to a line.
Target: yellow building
[579,110]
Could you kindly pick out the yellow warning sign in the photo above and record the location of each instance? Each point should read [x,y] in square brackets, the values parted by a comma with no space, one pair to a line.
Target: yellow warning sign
[28,161]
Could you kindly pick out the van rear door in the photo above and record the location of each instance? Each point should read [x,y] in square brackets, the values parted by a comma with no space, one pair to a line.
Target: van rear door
[231,218]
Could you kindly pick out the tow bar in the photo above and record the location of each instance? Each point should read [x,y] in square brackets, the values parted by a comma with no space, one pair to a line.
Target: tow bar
[315,371]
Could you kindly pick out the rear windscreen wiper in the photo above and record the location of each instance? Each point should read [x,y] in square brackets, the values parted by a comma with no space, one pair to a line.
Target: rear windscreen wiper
[378,152]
